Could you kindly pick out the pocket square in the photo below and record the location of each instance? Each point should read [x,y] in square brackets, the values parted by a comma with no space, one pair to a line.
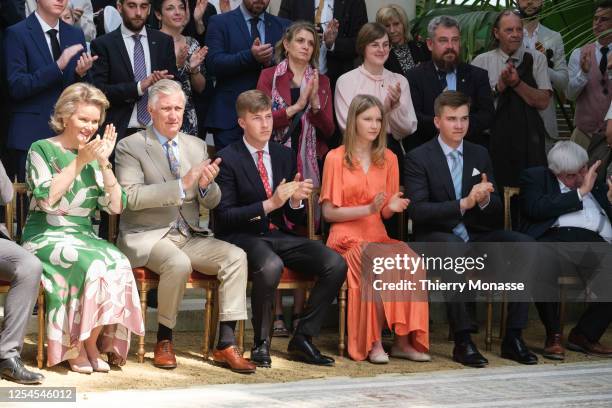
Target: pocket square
[475,172]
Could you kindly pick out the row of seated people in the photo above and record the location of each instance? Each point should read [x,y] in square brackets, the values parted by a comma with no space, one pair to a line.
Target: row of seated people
[256,194]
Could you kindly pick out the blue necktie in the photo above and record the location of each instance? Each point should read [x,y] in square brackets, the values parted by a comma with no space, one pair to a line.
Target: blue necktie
[175,169]
[457,176]
[140,73]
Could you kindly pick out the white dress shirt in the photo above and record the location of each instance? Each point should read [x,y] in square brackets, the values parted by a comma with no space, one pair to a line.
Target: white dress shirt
[591,217]
[46,27]
[129,42]
[529,41]
[577,78]
[327,15]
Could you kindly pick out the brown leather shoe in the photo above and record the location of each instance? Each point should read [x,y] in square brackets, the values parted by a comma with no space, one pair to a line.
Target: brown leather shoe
[232,358]
[553,349]
[164,355]
[578,342]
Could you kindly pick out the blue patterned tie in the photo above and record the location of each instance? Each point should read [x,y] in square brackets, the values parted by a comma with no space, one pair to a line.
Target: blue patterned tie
[457,175]
[175,169]
[140,73]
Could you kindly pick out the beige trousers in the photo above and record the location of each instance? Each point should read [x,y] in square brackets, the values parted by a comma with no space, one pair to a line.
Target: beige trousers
[581,138]
[174,257]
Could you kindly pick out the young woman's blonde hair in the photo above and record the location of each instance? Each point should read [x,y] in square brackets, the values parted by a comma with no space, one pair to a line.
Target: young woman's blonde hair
[387,13]
[279,50]
[69,100]
[360,104]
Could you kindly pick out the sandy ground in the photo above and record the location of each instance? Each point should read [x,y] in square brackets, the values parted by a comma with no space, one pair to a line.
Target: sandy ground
[192,370]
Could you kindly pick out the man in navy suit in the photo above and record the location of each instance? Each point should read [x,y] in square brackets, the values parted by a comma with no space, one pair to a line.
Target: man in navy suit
[240,43]
[131,59]
[449,182]
[260,193]
[446,71]
[565,203]
[43,55]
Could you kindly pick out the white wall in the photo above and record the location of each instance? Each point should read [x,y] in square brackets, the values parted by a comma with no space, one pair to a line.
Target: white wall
[373,6]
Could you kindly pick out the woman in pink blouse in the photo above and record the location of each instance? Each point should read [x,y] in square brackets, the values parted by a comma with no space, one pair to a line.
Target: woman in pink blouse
[371,78]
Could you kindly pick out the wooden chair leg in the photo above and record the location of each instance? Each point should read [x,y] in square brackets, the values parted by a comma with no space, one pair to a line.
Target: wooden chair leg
[342,321]
[40,355]
[503,317]
[562,295]
[141,339]
[489,328]
[240,335]
[206,340]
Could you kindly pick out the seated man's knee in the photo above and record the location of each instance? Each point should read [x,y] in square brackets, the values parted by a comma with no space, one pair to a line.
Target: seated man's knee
[179,267]
[269,270]
[29,268]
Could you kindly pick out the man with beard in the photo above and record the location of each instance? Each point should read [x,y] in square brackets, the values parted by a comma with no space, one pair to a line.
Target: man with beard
[589,81]
[520,83]
[240,44]
[130,60]
[541,38]
[446,71]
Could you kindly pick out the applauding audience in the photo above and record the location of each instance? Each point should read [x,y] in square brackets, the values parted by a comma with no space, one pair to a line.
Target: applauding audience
[90,292]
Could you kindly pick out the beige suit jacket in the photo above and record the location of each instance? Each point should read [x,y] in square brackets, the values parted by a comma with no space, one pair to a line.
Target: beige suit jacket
[153,194]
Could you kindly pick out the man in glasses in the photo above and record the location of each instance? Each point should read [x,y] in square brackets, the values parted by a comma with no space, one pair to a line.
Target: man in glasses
[589,84]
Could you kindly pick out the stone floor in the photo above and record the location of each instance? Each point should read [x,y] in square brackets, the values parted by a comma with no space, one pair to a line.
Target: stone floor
[568,385]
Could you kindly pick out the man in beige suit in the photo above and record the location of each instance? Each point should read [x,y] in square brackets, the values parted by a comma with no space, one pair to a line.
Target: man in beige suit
[168,176]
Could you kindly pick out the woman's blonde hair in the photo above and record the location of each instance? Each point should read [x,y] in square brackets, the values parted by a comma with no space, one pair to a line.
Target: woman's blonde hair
[75,94]
[279,50]
[388,13]
[360,104]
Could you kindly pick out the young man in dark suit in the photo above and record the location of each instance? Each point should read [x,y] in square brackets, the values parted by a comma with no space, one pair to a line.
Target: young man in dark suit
[260,194]
[449,182]
[130,60]
[43,56]
[446,71]
[339,21]
[564,203]
[240,44]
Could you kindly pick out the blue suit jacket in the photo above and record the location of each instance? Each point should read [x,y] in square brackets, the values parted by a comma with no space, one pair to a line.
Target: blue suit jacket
[230,60]
[35,82]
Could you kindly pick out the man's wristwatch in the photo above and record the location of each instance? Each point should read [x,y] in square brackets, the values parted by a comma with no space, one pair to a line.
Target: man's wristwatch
[107,166]
[195,70]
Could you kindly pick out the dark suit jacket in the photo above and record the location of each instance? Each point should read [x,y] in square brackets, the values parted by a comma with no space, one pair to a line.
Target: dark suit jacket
[231,62]
[323,121]
[114,75]
[429,186]
[351,14]
[35,82]
[242,192]
[542,202]
[425,88]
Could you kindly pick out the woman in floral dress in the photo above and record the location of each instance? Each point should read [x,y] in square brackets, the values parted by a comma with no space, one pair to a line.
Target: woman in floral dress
[91,296]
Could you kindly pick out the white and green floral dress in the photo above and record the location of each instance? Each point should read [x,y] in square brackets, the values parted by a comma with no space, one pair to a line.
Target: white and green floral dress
[88,282]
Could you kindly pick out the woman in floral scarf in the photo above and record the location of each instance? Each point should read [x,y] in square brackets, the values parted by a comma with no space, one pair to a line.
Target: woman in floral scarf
[302,113]
[90,291]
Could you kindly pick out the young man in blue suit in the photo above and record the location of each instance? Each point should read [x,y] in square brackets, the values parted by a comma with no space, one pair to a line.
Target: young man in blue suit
[43,55]
[240,43]
[260,194]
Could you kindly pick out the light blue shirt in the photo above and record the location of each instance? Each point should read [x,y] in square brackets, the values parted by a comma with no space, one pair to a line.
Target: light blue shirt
[261,26]
[451,79]
[177,153]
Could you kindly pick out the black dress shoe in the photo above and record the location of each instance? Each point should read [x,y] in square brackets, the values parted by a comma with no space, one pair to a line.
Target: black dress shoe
[514,348]
[260,354]
[12,369]
[303,350]
[467,354]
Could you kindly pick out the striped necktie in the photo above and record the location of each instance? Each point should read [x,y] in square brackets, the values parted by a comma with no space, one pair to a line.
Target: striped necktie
[140,73]
[457,176]
[175,169]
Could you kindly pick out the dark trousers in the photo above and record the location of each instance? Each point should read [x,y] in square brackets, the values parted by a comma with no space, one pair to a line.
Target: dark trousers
[597,317]
[225,137]
[459,317]
[267,255]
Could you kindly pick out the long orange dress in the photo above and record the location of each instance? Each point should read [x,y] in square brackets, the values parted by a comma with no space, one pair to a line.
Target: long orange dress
[344,187]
